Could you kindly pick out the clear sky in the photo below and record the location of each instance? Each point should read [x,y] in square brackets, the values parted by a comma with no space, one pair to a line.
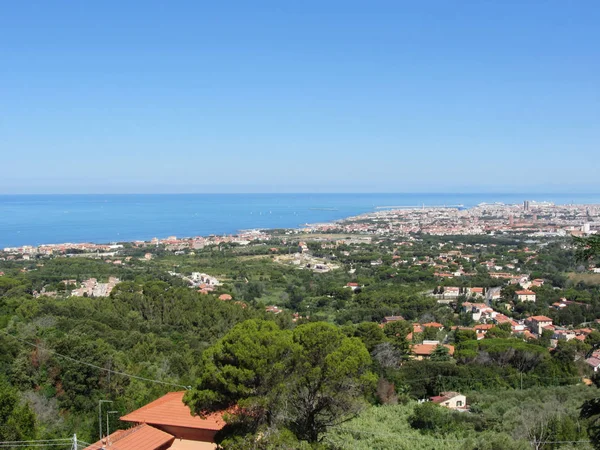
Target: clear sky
[299,96]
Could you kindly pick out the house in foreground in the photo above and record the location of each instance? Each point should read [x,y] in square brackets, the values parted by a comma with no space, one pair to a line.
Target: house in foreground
[164,424]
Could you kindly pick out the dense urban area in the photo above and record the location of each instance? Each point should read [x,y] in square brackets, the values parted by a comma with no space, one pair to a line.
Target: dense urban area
[420,328]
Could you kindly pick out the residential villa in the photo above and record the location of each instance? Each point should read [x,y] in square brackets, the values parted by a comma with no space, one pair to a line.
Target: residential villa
[525,296]
[164,424]
[389,319]
[480,311]
[437,325]
[352,285]
[424,351]
[451,400]
[538,323]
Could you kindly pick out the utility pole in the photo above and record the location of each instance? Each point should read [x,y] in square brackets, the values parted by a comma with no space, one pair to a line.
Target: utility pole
[75,446]
[107,431]
[100,415]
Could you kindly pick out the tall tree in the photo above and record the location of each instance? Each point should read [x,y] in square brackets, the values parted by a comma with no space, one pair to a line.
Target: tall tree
[17,420]
[331,377]
[305,381]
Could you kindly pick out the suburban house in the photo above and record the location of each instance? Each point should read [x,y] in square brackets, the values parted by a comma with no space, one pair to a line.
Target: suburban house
[482,329]
[451,400]
[525,296]
[353,286]
[164,424]
[476,291]
[424,351]
[594,363]
[538,323]
[479,311]
[389,319]
[563,334]
[273,309]
[449,291]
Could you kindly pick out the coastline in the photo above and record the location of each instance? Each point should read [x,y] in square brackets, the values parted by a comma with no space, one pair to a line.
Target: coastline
[56,220]
[377,214]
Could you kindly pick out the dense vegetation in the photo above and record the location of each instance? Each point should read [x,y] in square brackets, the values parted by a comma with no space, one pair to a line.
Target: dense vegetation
[62,354]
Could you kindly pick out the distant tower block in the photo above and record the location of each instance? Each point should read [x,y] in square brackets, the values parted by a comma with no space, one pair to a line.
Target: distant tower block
[526,205]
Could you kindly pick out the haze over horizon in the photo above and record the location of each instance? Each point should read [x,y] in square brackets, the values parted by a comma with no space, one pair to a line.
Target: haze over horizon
[312,97]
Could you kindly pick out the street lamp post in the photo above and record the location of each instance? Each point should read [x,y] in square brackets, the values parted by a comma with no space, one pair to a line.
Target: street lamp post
[100,415]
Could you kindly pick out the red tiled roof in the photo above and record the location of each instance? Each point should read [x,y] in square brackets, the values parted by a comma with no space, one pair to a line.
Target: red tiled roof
[433,325]
[541,318]
[142,436]
[170,410]
[427,349]
[225,297]
[593,361]
[443,397]
[525,292]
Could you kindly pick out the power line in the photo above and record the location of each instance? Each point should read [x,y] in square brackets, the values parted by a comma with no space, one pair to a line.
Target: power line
[411,380]
[35,443]
[166,383]
[37,440]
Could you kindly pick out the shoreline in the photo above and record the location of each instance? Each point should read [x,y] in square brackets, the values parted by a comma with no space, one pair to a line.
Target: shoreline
[246,232]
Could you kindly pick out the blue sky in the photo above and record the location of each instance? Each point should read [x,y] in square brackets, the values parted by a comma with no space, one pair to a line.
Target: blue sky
[323,96]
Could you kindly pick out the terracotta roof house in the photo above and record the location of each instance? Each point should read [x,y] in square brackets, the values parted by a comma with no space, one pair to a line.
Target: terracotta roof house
[476,291]
[423,351]
[138,437]
[450,400]
[273,309]
[417,328]
[353,286]
[437,325]
[165,423]
[593,362]
[388,319]
[225,297]
[539,323]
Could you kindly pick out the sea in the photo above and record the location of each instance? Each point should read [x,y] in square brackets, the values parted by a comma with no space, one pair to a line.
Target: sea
[53,219]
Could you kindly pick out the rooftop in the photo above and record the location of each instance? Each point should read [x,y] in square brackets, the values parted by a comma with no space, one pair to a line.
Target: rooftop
[170,410]
[140,437]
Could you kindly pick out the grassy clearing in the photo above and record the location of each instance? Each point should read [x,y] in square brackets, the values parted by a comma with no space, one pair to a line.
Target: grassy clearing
[587,278]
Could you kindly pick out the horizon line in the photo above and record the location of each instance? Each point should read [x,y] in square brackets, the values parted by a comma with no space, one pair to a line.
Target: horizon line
[302,193]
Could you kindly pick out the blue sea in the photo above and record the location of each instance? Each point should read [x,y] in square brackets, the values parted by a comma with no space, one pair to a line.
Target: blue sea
[51,219]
